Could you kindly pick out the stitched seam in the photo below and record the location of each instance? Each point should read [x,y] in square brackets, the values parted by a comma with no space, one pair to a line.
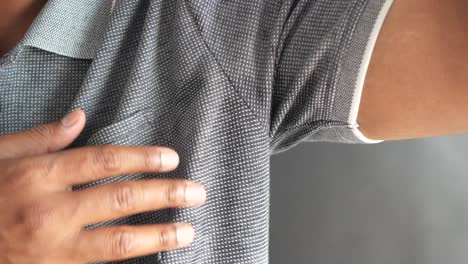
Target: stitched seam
[338,123]
[346,43]
[314,127]
[232,86]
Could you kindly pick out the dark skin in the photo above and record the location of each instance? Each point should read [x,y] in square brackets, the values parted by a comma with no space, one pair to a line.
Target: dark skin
[416,87]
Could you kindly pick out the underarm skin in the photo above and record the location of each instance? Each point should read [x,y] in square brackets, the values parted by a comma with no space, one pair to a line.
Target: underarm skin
[417,82]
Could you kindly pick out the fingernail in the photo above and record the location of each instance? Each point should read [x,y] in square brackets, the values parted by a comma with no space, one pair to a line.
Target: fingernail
[169,159]
[185,234]
[195,193]
[70,119]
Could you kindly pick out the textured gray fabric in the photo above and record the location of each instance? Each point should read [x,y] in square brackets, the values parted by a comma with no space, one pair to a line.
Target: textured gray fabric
[226,84]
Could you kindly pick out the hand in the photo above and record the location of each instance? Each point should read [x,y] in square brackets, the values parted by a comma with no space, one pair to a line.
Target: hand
[42,220]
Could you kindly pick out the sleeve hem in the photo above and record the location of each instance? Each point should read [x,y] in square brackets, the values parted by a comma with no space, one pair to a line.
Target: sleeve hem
[355,65]
[358,134]
[363,71]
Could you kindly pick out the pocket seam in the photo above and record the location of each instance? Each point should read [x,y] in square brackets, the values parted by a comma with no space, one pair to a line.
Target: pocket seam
[121,128]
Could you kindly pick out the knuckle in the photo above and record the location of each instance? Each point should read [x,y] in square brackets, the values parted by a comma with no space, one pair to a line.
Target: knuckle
[40,166]
[147,158]
[18,174]
[34,218]
[166,237]
[173,192]
[124,197]
[41,133]
[8,166]
[122,242]
[25,171]
[107,159]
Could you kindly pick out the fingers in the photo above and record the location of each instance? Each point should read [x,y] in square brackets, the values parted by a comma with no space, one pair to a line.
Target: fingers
[42,138]
[111,201]
[123,242]
[87,164]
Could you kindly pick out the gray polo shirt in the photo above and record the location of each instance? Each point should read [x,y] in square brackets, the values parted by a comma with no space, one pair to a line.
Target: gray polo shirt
[226,84]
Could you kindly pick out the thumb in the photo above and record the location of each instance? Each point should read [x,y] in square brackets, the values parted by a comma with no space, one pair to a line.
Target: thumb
[43,138]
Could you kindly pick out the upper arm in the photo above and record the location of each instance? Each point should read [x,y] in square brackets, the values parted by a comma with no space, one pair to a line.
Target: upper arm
[417,81]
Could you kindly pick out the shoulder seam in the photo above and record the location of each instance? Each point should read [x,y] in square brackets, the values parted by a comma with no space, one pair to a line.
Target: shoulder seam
[232,86]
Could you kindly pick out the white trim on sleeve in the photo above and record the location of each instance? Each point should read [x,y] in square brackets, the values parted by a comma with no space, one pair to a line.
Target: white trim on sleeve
[362,74]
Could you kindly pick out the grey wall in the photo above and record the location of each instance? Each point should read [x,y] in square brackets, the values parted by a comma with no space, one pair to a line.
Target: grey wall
[395,202]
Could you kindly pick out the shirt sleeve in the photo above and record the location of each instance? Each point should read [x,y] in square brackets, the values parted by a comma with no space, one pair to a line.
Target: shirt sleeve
[321,61]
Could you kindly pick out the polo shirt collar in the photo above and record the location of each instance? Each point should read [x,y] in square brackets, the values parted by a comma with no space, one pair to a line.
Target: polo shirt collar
[70,28]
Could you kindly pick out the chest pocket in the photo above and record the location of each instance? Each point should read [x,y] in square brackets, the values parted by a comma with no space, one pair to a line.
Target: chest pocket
[132,130]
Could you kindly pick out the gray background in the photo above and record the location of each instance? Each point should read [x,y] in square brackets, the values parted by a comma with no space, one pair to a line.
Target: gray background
[395,202]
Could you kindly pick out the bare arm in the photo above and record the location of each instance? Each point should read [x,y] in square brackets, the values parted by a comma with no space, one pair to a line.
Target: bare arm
[417,82]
